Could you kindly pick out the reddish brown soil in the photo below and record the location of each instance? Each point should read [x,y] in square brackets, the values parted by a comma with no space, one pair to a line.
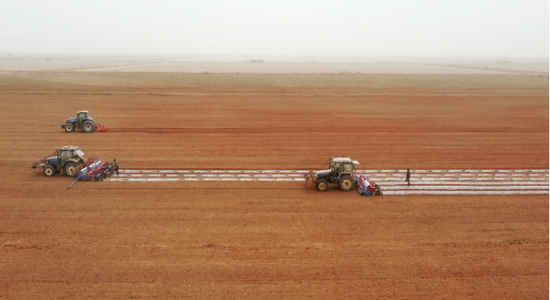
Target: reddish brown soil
[184,240]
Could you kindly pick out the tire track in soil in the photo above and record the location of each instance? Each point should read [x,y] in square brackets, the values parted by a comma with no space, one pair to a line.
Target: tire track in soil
[392,182]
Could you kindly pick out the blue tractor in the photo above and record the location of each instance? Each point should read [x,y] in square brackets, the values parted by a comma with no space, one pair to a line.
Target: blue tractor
[69,159]
[82,121]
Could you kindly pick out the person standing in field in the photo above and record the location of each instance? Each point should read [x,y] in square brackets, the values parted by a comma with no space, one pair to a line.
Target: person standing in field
[116,166]
[408,177]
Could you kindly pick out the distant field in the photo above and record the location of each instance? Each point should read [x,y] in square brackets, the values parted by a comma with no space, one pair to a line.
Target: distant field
[147,80]
[276,65]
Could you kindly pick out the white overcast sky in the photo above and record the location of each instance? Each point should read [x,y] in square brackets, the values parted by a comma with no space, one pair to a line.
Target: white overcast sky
[467,28]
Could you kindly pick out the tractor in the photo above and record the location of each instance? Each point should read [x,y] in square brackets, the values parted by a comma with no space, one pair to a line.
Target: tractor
[341,171]
[83,121]
[69,159]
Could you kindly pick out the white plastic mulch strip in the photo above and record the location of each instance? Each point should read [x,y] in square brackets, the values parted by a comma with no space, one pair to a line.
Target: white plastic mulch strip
[392,182]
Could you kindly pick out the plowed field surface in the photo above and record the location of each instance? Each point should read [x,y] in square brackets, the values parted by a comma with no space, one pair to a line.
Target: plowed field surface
[121,239]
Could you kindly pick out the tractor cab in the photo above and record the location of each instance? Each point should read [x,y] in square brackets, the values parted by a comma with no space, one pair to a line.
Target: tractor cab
[82,115]
[342,166]
[70,153]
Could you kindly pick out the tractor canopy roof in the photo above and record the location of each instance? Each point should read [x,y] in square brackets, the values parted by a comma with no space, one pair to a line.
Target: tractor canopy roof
[75,149]
[339,160]
[69,148]
[83,111]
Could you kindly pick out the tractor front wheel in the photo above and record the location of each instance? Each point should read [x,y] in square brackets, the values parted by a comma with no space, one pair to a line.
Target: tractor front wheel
[69,127]
[71,169]
[346,183]
[88,126]
[322,185]
[49,171]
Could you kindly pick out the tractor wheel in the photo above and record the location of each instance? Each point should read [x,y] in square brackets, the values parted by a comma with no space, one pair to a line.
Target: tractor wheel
[322,185]
[69,127]
[71,169]
[49,171]
[346,183]
[88,126]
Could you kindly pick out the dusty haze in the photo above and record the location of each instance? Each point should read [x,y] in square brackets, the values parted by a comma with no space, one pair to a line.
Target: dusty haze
[425,28]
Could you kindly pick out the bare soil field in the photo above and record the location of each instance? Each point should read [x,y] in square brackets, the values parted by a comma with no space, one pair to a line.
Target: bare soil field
[271,240]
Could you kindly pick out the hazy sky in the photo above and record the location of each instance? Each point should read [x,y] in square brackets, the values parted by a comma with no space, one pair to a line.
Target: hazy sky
[487,28]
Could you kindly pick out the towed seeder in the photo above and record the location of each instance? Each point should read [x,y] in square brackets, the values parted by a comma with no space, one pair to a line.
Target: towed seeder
[96,171]
[101,128]
[365,186]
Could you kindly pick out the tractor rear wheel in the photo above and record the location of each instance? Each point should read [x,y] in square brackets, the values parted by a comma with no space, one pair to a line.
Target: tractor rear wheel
[346,183]
[49,171]
[69,127]
[322,185]
[88,126]
[71,169]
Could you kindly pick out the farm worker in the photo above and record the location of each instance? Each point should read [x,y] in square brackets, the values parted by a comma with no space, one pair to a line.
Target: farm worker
[408,177]
[367,186]
[116,166]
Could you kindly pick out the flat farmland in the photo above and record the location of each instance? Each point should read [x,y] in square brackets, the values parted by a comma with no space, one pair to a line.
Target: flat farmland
[271,240]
